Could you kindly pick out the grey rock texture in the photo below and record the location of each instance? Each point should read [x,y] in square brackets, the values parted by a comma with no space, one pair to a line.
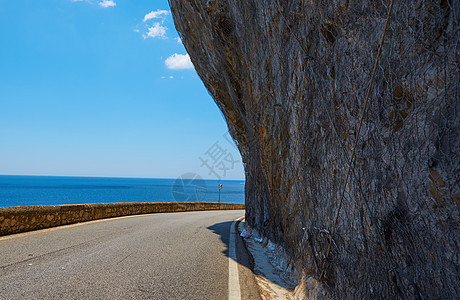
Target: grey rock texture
[290,78]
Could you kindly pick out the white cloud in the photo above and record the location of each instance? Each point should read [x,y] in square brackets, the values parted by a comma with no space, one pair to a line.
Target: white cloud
[156,31]
[179,61]
[155,14]
[179,40]
[107,3]
[171,77]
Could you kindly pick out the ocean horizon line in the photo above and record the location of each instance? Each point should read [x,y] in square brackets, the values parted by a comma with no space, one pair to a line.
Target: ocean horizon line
[27,190]
[121,177]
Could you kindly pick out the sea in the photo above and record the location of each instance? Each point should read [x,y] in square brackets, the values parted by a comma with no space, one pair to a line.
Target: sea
[55,190]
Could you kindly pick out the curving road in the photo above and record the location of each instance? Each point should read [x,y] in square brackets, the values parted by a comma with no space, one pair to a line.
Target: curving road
[157,256]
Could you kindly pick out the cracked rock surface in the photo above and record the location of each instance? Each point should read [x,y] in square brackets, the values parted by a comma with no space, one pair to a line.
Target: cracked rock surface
[290,78]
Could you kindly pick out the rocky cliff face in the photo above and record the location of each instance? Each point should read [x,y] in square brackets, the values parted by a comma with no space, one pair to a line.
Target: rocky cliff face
[291,79]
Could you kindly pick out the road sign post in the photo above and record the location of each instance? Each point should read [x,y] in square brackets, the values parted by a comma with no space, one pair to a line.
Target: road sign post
[220,187]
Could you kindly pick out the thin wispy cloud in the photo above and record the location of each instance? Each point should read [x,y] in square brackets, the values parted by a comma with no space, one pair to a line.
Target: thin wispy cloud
[155,14]
[179,61]
[102,3]
[107,3]
[156,31]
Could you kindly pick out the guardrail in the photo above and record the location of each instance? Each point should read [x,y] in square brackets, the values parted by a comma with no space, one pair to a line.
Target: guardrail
[27,218]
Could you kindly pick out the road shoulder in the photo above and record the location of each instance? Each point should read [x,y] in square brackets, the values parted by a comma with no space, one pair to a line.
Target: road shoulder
[248,284]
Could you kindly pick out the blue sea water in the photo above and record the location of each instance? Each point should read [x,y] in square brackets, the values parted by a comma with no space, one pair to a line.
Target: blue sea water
[54,190]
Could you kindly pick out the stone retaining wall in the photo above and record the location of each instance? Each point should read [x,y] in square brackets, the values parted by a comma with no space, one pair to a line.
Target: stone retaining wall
[27,218]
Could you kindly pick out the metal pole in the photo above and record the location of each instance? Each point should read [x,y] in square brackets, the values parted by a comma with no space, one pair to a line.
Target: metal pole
[220,187]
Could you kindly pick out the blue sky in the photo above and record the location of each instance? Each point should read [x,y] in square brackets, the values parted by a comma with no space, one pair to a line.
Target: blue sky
[104,88]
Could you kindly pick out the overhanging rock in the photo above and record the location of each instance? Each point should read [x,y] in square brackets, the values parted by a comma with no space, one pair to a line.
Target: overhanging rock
[290,78]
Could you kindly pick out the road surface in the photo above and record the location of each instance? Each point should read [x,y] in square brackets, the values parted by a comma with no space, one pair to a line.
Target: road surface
[156,256]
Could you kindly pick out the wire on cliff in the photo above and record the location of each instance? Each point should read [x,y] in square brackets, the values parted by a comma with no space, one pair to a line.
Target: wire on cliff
[353,155]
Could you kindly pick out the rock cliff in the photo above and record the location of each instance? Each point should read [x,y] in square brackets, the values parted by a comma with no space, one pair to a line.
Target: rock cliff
[291,78]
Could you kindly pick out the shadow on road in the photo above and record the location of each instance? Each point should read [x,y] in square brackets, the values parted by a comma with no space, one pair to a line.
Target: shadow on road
[223,230]
[244,257]
[248,285]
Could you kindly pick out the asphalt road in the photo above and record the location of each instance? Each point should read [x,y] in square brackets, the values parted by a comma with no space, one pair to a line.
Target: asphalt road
[157,256]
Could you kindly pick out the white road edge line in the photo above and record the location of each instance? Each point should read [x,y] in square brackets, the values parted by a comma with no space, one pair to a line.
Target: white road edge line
[234,291]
